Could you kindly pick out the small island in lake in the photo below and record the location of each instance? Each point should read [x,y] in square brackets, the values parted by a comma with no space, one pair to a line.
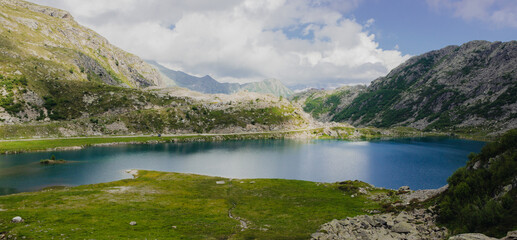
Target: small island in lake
[52,161]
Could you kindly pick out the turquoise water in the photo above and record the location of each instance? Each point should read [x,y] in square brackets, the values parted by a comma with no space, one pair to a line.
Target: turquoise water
[419,163]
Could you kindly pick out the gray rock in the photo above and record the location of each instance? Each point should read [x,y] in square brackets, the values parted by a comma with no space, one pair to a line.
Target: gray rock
[402,227]
[379,221]
[511,236]
[471,236]
[317,235]
[132,223]
[404,189]
[369,220]
[383,227]
[17,219]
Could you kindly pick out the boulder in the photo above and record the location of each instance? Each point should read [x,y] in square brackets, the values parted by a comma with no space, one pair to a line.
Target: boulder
[317,235]
[404,189]
[402,227]
[17,219]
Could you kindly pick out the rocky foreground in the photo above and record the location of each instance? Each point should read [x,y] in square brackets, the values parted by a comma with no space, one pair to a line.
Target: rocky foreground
[418,224]
[411,225]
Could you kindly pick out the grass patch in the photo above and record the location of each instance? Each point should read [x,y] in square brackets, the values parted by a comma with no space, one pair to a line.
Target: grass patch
[195,205]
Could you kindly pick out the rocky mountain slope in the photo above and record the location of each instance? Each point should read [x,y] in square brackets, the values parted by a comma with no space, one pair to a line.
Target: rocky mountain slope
[209,85]
[58,78]
[471,87]
[46,43]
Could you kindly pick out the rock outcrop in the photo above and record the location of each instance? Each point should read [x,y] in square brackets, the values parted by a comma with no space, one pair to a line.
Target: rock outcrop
[418,224]
[421,195]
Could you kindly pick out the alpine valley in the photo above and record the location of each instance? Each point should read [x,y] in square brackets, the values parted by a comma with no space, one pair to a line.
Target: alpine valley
[65,90]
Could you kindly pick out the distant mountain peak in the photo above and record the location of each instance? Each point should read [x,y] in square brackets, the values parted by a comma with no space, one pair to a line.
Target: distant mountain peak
[209,85]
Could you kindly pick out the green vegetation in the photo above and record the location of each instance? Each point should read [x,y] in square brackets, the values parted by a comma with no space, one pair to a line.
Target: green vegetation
[480,197]
[52,160]
[85,107]
[367,105]
[319,105]
[64,99]
[11,85]
[183,206]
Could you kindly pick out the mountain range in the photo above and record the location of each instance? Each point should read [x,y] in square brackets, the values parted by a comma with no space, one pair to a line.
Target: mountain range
[209,85]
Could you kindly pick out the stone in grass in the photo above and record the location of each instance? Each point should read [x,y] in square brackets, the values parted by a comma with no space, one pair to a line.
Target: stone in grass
[220,182]
[132,223]
[17,219]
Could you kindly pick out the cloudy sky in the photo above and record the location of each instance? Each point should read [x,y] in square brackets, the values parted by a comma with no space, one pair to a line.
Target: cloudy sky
[304,43]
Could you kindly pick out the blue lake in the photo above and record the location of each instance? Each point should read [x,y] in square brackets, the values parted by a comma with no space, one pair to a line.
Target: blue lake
[420,163]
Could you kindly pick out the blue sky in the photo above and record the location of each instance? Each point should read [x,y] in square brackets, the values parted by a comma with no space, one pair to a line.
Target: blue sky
[304,43]
[417,28]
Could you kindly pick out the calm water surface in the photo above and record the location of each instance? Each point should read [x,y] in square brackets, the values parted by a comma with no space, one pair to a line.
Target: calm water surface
[419,163]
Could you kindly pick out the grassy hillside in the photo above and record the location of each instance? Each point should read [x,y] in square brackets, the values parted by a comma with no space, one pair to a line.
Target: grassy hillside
[183,206]
[45,43]
[482,197]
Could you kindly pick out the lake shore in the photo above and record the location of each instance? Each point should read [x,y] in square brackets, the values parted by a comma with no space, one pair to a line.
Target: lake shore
[13,146]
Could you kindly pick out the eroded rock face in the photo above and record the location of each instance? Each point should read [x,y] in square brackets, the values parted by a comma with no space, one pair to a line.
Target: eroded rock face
[418,224]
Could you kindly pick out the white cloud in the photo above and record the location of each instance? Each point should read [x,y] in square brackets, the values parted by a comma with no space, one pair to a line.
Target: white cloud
[307,42]
[500,13]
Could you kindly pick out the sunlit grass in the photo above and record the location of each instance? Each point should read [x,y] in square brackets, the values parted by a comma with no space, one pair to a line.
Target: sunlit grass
[195,205]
